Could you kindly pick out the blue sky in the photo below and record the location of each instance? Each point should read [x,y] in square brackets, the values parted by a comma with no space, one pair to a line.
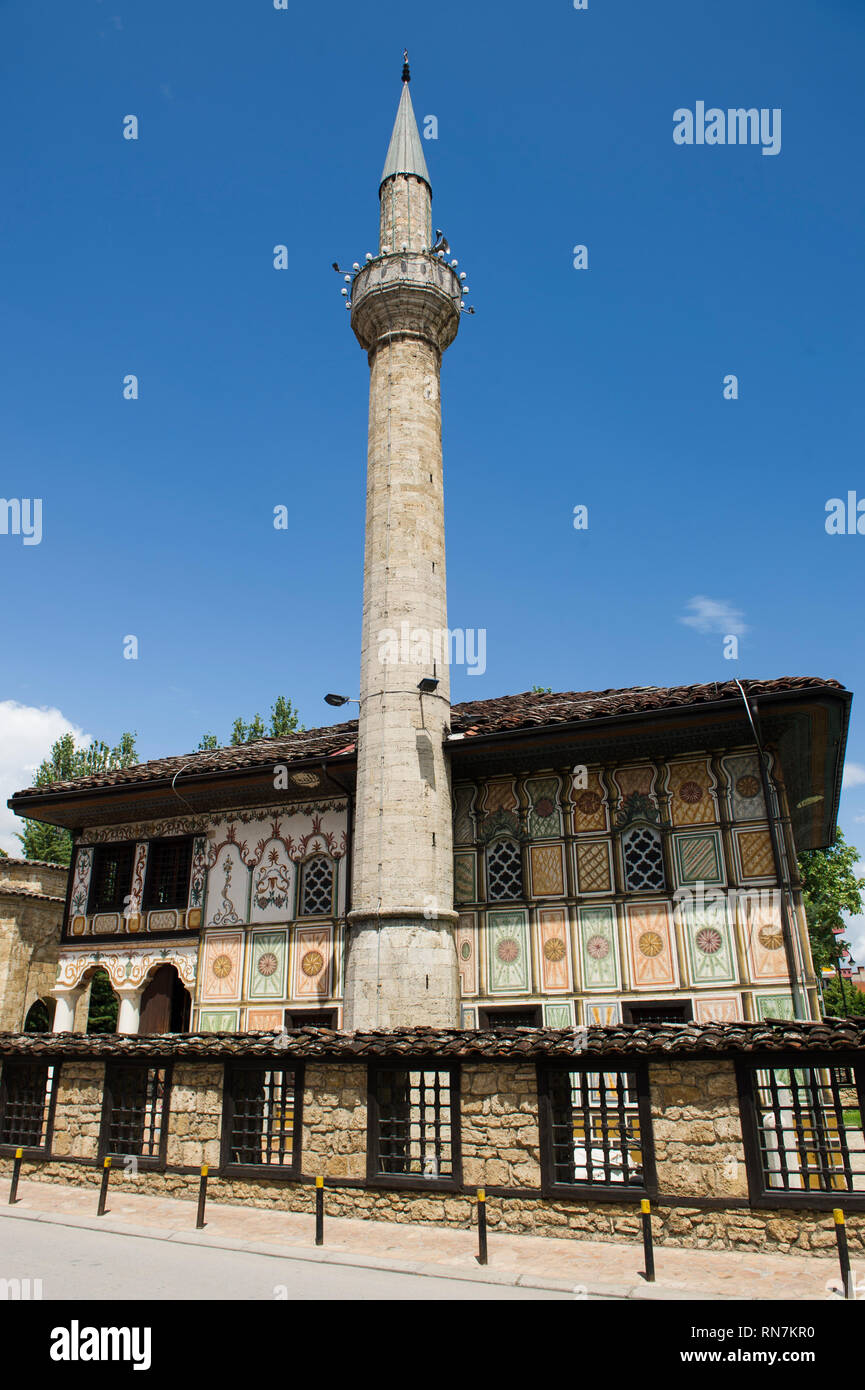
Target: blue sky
[600,386]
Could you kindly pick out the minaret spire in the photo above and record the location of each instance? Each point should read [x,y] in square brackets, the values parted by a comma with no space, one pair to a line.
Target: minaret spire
[401,962]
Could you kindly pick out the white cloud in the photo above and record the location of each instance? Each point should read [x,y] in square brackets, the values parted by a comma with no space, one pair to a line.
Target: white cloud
[715,615]
[854,776]
[26,736]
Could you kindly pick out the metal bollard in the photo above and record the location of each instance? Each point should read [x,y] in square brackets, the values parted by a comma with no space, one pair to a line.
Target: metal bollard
[16,1173]
[202,1197]
[319,1211]
[648,1248]
[482,1226]
[843,1251]
[103,1191]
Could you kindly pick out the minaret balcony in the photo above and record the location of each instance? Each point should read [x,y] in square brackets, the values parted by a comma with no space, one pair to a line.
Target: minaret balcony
[407,293]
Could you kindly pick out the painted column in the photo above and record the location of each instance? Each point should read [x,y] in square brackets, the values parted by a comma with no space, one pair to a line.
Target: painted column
[128,1010]
[64,1013]
[401,964]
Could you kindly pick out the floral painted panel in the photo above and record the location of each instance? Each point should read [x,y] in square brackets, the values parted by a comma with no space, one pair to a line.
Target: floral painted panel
[228,889]
[718,1008]
[264,1020]
[468,1017]
[594,866]
[222,974]
[708,932]
[698,857]
[217,1021]
[773,1005]
[467,953]
[508,968]
[755,853]
[651,947]
[760,921]
[558,1015]
[268,960]
[590,808]
[744,787]
[80,889]
[548,870]
[465,869]
[464,830]
[692,793]
[554,951]
[273,884]
[598,947]
[603,1012]
[313,957]
[545,821]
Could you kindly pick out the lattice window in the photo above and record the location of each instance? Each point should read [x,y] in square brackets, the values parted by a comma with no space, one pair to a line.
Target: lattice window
[168,863]
[26,1096]
[112,877]
[809,1130]
[133,1119]
[262,1115]
[412,1119]
[597,1137]
[317,892]
[644,859]
[504,871]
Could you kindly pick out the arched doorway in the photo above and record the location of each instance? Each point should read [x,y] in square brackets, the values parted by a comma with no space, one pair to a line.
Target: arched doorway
[165,1003]
[40,1016]
[102,1013]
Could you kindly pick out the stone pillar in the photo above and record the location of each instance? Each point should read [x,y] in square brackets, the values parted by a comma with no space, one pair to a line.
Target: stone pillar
[128,1010]
[401,964]
[64,1013]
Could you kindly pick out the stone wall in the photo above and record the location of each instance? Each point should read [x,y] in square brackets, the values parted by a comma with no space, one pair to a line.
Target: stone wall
[697,1138]
[32,897]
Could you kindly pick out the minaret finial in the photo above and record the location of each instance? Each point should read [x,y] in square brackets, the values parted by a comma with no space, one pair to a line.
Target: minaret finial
[406,75]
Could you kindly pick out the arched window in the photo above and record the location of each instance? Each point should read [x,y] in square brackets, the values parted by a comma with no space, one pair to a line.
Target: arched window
[316,897]
[504,871]
[644,859]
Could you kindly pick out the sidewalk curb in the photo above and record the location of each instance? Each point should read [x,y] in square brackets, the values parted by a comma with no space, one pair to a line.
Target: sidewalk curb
[313,1255]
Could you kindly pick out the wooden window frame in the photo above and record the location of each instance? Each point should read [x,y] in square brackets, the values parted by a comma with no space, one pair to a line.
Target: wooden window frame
[100,851]
[276,1172]
[292,1013]
[629,1004]
[31,1151]
[597,1192]
[174,841]
[760,1196]
[487,1015]
[150,1161]
[413,1180]
[301,890]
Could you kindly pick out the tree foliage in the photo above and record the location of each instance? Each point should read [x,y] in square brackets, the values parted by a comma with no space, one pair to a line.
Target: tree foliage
[829,889]
[102,1013]
[838,1003]
[284,720]
[64,763]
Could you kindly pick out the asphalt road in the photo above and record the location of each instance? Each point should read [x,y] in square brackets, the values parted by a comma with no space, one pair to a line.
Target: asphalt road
[83,1264]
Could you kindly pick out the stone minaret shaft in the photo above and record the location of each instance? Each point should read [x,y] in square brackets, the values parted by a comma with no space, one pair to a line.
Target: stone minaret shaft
[401,966]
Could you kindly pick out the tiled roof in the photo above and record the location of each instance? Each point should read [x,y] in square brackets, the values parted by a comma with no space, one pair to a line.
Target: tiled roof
[665,1039]
[477,717]
[9,889]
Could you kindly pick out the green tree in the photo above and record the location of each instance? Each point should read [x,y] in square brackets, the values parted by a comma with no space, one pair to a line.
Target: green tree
[284,720]
[64,763]
[542,690]
[829,889]
[840,1004]
[102,1013]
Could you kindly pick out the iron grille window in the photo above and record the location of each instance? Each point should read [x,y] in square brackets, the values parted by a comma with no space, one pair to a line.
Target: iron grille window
[598,1129]
[262,1117]
[809,1131]
[26,1103]
[135,1115]
[504,871]
[413,1125]
[644,859]
[317,895]
[112,877]
[167,883]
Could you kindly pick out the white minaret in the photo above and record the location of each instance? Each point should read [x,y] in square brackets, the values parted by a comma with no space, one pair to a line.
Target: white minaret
[401,965]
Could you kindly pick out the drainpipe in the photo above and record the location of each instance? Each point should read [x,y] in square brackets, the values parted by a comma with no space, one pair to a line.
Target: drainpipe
[799,1004]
